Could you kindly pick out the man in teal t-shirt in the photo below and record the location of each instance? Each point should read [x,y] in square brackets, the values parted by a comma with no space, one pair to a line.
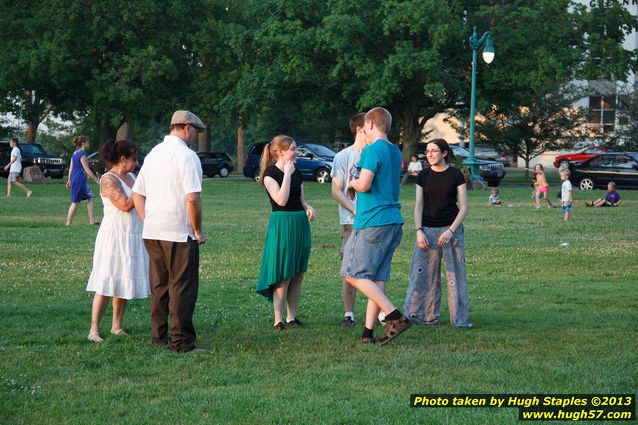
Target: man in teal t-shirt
[380,205]
[377,226]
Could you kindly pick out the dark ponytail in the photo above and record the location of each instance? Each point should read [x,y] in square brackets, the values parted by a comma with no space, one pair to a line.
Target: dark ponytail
[112,151]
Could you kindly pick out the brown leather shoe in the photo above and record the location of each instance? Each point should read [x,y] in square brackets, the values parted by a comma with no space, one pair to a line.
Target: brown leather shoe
[394,329]
[279,326]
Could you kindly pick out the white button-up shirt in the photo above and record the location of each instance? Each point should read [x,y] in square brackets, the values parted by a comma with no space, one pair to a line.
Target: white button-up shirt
[170,171]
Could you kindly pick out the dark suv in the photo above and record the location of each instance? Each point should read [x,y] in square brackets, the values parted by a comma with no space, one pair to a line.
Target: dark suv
[34,154]
[215,163]
[314,161]
[491,171]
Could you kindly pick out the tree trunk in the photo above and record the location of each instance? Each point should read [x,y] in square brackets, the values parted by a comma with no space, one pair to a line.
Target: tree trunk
[31,130]
[124,132]
[203,140]
[241,143]
[410,130]
[107,130]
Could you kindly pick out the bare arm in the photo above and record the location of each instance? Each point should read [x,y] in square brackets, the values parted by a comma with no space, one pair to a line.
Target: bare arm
[310,212]
[111,188]
[194,212]
[340,197]
[364,182]
[461,198]
[13,159]
[68,182]
[280,194]
[87,169]
[140,205]
[418,219]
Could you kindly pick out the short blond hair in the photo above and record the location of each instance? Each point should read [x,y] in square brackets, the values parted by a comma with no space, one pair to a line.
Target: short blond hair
[565,172]
[381,118]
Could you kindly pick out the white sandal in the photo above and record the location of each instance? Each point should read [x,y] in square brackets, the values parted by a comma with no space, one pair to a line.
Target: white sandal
[94,337]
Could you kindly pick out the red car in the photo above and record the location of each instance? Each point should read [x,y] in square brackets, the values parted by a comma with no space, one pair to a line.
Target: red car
[578,157]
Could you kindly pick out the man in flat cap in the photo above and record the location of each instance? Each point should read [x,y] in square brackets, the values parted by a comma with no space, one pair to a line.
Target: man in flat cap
[167,197]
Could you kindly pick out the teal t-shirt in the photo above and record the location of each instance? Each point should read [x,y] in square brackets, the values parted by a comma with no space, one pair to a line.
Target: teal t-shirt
[380,205]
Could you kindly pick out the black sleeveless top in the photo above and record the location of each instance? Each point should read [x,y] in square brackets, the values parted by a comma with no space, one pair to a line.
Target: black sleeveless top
[294,198]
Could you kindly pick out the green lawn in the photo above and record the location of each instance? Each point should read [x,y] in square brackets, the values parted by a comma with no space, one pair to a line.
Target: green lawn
[556,307]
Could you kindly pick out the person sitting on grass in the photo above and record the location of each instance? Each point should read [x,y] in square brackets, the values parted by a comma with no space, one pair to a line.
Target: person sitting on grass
[495,199]
[414,168]
[612,199]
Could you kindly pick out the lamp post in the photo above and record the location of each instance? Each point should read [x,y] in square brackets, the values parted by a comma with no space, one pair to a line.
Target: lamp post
[488,57]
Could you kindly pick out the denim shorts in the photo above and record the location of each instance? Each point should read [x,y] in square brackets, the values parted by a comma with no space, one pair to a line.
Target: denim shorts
[368,252]
[567,207]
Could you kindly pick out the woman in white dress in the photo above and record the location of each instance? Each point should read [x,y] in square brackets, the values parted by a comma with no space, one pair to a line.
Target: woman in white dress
[120,262]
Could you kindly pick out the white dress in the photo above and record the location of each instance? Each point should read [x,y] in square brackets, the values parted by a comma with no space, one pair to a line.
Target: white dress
[120,261]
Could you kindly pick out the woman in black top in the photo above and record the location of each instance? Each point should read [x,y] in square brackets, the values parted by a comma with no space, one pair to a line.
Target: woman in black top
[441,207]
[288,240]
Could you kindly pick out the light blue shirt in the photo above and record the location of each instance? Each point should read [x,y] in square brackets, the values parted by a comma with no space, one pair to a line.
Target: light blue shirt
[380,205]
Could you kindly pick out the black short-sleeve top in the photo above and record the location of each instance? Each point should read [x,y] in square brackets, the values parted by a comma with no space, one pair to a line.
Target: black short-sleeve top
[439,195]
[294,198]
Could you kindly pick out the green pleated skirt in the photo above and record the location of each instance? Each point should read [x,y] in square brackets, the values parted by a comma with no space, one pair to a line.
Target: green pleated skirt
[286,251]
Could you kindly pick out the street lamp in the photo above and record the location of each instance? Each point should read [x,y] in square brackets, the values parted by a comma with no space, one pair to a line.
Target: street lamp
[488,57]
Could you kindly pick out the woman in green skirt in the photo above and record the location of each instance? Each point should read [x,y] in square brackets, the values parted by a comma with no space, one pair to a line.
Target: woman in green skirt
[288,239]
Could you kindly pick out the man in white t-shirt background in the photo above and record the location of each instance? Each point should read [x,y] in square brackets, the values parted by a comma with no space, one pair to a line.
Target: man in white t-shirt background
[15,168]
[167,197]
[414,168]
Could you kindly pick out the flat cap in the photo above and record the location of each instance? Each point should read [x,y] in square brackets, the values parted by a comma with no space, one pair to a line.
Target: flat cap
[187,117]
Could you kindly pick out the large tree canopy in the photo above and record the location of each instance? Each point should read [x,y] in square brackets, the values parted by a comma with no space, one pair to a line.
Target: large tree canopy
[301,67]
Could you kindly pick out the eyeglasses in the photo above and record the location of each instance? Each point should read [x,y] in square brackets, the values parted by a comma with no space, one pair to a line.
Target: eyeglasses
[433,151]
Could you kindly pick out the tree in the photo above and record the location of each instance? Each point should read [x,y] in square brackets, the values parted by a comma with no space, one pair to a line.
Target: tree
[626,135]
[38,69]
[541,47]
[548,121]
[407,56]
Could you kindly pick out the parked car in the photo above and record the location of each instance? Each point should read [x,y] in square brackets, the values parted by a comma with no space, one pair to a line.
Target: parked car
[490,154]
[215,163]
[100,167]
[33,154]
[314,161]
[491,171]
[579,156]
[619,167]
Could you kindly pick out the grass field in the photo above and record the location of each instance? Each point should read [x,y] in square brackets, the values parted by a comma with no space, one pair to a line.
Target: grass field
[556,306]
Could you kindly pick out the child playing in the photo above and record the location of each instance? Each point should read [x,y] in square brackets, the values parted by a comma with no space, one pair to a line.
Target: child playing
[541,186]
[495,199]
[566,194]
[612,199]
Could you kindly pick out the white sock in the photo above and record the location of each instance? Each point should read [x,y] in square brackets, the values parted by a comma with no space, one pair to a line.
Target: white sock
[349,313]
[381,316]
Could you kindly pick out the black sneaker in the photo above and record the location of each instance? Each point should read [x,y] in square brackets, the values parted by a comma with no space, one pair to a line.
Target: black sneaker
[347,322]
[279,326]
[294,323]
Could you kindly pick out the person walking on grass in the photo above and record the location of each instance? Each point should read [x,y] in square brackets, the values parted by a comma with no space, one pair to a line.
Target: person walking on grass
[167,197]
[288,241]
[377,228]
[343,171]
[79,171]
[120,262]
[566,194]
[15,168]
[541,186]
[441,207]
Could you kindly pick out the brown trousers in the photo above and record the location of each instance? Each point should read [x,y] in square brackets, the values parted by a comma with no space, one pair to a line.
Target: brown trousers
[174,279]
